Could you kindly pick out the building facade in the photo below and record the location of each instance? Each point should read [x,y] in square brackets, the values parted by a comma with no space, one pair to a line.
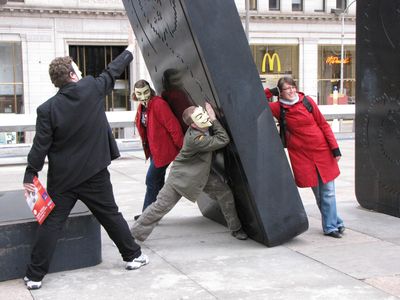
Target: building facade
[301,38]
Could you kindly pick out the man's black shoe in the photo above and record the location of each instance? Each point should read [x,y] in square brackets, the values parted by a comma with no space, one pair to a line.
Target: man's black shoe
[334,234]
[341,229]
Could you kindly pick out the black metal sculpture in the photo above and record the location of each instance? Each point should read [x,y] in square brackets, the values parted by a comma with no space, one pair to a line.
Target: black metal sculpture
[378,106]
[197,51]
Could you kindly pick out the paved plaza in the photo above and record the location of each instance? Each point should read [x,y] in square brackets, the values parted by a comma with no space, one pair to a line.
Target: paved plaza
[192,257]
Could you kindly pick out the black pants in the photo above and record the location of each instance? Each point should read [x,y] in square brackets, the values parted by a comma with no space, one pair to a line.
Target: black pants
[97,194]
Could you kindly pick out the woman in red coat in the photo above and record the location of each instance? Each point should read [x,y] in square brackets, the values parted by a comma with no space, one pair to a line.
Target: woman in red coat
[161,136]
[313,150]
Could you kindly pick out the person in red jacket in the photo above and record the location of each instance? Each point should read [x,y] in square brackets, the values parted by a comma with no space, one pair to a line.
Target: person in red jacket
[161,136]
[313,150]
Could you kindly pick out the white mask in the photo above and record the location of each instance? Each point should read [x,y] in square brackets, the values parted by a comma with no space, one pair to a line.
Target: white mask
[201,118]
[143,94]
[76,70]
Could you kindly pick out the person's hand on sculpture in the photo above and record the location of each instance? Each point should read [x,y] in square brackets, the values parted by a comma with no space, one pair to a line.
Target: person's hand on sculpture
[131,40]
[210,112]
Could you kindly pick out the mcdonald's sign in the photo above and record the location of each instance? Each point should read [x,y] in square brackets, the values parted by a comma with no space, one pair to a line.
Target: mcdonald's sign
[271,60]
[330,60]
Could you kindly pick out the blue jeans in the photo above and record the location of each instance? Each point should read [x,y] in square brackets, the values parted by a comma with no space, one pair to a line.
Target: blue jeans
[155,179]
[326,201]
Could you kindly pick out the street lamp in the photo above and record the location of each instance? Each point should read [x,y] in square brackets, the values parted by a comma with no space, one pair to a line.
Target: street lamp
[342,15]
[247,7]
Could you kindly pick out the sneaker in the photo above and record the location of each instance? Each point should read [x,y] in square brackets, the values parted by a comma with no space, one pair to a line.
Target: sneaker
[334,234]
[240,234]
[341,229]
[32,285]
[137,262]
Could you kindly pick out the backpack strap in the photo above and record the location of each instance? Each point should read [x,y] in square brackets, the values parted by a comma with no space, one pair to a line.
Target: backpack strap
[282,125]
[307,104]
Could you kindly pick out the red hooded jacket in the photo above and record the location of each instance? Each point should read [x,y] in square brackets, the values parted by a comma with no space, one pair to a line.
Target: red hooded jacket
[162,138]
[310,142]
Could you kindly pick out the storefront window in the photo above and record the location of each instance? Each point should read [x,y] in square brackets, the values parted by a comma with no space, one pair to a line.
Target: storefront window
[329,61]
[11,86]
[92,60]
[275,61]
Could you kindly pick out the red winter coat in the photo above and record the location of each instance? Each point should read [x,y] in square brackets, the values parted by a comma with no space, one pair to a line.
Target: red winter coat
[163,137]
[310,142]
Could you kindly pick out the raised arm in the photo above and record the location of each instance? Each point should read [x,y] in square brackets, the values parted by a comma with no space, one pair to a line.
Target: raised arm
[106,80]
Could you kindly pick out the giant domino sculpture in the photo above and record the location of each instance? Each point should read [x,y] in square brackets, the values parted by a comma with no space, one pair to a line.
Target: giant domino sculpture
[203,45]
[378,106]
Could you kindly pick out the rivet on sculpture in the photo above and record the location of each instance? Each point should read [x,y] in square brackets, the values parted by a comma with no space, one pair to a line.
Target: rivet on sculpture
[197,51]
[377,179]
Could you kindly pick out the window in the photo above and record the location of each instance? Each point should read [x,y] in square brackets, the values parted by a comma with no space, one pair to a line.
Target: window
[11,85]
[275,61]
[253,4]
[92,60]
[297,5]
[341,4]
[274,5]
[320,6]
[329,60]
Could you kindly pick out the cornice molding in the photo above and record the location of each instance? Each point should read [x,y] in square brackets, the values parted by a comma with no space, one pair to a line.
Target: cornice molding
[23,9]
[297,17]
[61,11]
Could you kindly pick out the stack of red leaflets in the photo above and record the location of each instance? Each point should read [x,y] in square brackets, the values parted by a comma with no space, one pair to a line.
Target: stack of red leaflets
[40,202]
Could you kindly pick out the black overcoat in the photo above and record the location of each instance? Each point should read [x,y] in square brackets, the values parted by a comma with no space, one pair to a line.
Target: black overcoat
[73,131]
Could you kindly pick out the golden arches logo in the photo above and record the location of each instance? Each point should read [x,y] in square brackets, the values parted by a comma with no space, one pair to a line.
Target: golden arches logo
[271,60]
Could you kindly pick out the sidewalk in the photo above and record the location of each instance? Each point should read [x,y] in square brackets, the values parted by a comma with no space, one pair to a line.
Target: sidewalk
[192,257]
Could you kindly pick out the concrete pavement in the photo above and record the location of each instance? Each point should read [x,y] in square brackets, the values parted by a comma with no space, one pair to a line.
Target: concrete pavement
[192,257]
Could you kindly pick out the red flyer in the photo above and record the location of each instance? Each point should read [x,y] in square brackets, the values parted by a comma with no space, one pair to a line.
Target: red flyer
[40,202]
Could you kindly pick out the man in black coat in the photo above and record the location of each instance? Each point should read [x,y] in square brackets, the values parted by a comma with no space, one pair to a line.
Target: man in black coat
[73,131]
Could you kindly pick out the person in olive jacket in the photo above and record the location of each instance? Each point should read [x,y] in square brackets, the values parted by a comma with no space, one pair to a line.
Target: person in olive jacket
[191,174]
[313,150]
[73,132]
